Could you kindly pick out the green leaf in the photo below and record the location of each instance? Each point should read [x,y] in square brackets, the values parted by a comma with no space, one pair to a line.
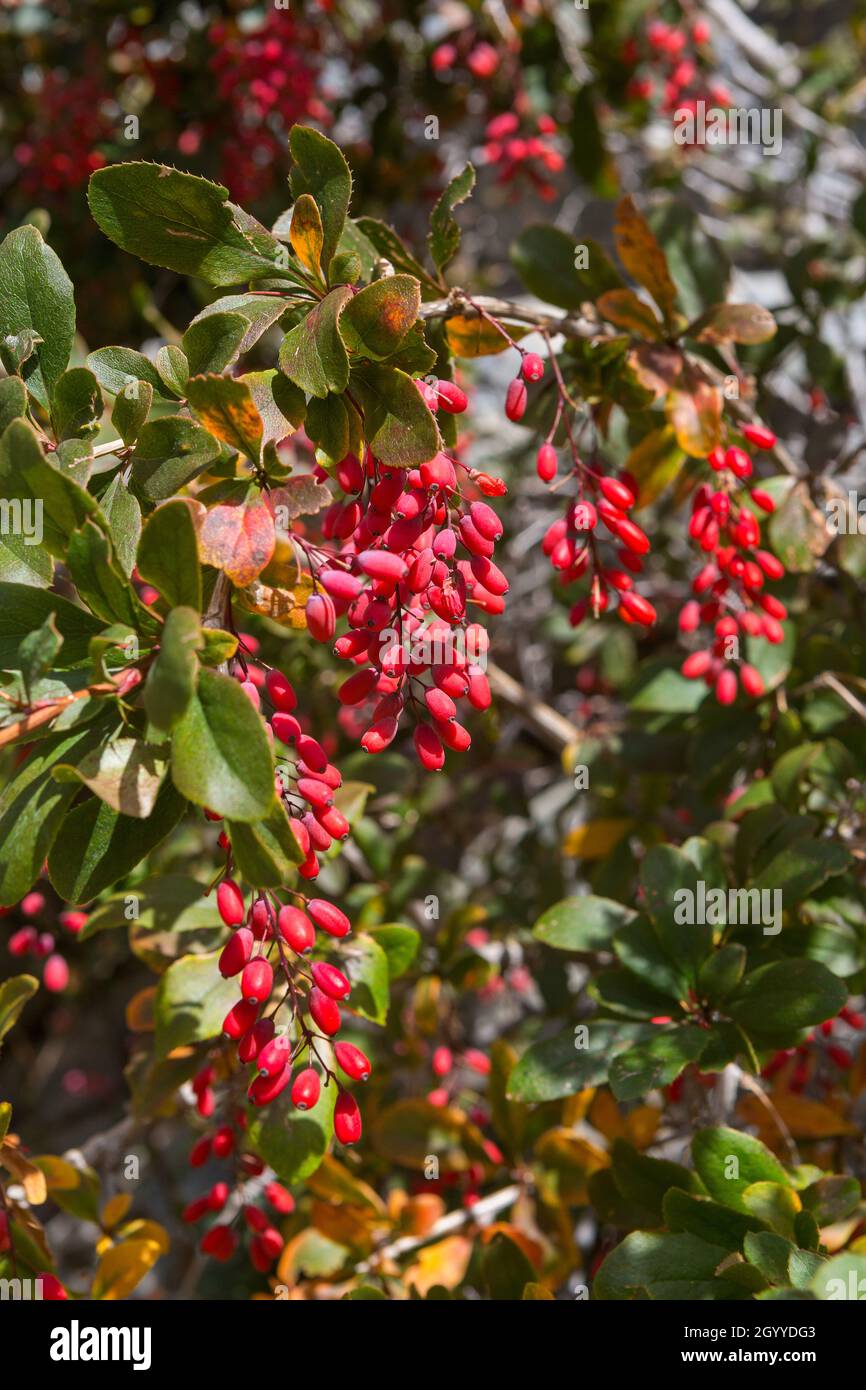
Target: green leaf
[721,973]
[312,355]
[214,342]
[14,994]
[120,368]
[398,426]
[444,237]
[729,1161]
[13,400]
[38,651]
[581,924]
[99,580]
[657,1062]
[843,1277]
[645,1259]
[831,1199]
[321,171]
[126,773]
[266,852]
[32,809]
[168,555]
[171,680]
[221,758]
[367,967]
[226,408]
[621,992]
[261,312]
[701,1216]
[99,846]
[123,514]
[547,261]
[173,367]
[400,944]
[131,409]
[778,1000]
[163,904]
[36,294]
[170,452]
[42,489]
[802,867]
[23,608]
[505,1269]
[76,404]
[377,319]
[665,873]
[175,220]
[646,1180]
[327,425]
[291,1142]
[565,1064]
[385,243]
[192,999]
[638,948]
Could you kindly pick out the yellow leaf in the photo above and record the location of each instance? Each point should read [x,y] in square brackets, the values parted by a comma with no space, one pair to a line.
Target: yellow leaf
[306,235]
[142,1229]
[606,1116]
[641,1125]
[139,1011]
[288,607]
[115,1209]
[31,1178]
[810,1119]
[123,1267]
[596,838]
[444,1263]
[533,1293]
[696,418]
[474,337]
[654,463]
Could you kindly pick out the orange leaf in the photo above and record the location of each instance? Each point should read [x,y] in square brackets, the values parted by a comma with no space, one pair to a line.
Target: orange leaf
[444,1263]
[696,418]
[642,256]
[239,539]
[306,233]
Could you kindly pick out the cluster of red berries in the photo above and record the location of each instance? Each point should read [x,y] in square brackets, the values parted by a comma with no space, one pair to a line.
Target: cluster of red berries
[266,82]
[413,556]
[60,148]
[729,590]
[28,940]
[249,953]
[520,152]
[222,1239]
[669,66]
[571,543]
[477,55]
[803,1058]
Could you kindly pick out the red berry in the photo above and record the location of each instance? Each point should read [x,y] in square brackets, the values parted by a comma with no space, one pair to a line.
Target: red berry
[220,1243]
[296,929]
[532,367]
[451,399]
[257,981]
[305,1089]
[515,400]
[236,952]
[347,1119]
[759,435]
[55,976]
[546,463]
[752,681]
[200,1152]
[329,917]
[352,1061]
[230,903]
[324,1012]
[280,1198]
[726,687]
[239,1019]
[330,980]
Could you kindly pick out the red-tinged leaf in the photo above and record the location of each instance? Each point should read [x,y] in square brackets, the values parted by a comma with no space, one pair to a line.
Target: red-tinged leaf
[734,323]
[239,539]
[656,366]
[642,256]
[623,308]
[696,417]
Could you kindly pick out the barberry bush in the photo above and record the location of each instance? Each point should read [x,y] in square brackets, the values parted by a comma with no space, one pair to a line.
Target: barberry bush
[431,711]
